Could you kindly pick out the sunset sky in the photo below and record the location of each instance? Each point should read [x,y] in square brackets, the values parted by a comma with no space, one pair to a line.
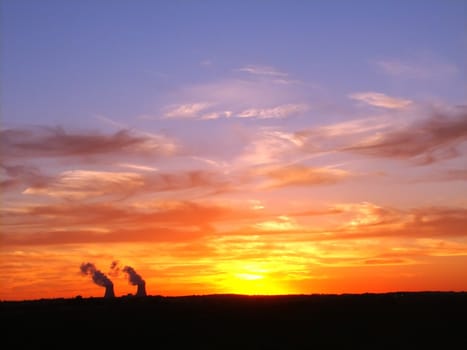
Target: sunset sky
[252,147]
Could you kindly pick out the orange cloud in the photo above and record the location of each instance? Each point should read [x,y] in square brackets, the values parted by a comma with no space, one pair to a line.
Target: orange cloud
[367,221]
[80,184]
[84,184]
[175,258]
[98,222]
[301,175]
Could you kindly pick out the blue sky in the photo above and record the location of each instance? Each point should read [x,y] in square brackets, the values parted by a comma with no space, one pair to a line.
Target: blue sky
[69,60]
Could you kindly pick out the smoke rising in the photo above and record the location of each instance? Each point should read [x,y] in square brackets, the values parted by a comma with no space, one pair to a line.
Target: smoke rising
[135,279]
[101,279]
[114,269]
[98,278]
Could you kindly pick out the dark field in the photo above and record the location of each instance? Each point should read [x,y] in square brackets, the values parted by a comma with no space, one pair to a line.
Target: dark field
[394,320]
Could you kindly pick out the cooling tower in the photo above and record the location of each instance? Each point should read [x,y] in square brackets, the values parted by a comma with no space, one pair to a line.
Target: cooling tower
[109,291]
[141,291]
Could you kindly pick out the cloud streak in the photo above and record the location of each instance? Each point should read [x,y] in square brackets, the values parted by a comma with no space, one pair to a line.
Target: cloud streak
[48,142]
[423,69]
[247,96]
[425,141]
[301,175]
[186,110]
[278,112]
[14,176]
[80,184]
[378,99]
[182,222]
[263,71]
[76,222]
[84,184]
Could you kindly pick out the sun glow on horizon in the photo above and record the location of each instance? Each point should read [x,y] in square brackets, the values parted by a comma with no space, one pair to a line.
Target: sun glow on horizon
[250,279]
[251,284]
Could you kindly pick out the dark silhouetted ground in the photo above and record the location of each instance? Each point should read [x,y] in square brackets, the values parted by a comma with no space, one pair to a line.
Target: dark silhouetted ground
[351,321]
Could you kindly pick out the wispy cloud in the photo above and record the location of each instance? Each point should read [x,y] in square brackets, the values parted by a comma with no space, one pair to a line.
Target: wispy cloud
[301,175]
[280,223]
[263,70]
[425,141]
[270,146]
[277,112]
[190,110]
[247,96]
[417,69]
[369,221]
[57,142]
[202,111]
[368,214]
[80,184]
[13,176]
[331,138]
[85,184]
[137,167]
[71,222]
[380,100]
[216,115]
[371,235]
[351,127]
[424,136]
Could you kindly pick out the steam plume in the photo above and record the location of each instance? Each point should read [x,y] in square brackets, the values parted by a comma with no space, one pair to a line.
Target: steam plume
[136,280]
[98,278]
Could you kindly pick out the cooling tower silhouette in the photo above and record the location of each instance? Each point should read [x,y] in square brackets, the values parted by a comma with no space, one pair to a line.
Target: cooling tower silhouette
[135,279]
[141,291]
[98,278]
[109,291]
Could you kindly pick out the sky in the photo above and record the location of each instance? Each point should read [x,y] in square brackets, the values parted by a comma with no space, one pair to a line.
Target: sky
[248,147]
